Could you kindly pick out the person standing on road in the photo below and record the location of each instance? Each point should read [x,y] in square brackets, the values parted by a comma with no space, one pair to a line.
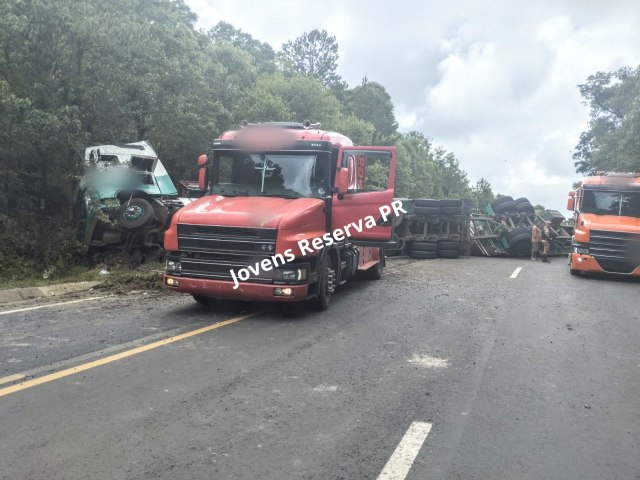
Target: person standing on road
[536,238]
[546,241]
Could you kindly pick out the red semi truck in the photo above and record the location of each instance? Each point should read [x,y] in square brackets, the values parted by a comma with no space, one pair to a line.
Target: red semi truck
[289,213]
[607,225]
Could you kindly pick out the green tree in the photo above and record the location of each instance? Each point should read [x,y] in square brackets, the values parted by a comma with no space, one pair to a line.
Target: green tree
[612,141]
[262,53]
[371,102]
[482,194]
[314,54]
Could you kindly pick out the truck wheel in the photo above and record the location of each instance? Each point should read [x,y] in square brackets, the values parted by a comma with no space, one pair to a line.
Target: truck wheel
[135,214]
[424,247]
[326,285]
[203,300]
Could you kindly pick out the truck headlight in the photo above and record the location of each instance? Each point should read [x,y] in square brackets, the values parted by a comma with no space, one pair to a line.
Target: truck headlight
[290,274]
[581,248]
[174,267]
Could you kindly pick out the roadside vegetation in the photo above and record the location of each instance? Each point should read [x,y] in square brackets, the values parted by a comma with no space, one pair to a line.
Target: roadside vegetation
[75,74]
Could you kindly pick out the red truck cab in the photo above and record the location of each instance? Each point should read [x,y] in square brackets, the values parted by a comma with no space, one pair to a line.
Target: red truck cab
[290,212]
[607,225]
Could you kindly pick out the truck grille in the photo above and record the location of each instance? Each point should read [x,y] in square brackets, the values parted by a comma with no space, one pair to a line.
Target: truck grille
[617,252]
[213,251]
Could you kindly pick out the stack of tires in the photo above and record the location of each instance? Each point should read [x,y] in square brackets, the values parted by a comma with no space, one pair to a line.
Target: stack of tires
[504,204]
[430,250]
[519,240]
[426,250]
[507,205]
[524,205]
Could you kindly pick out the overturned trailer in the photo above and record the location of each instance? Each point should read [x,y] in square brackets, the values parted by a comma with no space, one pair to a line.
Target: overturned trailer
[505,229]
[449,228]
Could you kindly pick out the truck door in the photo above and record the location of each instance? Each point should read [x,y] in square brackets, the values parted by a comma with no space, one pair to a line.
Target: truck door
[371,175]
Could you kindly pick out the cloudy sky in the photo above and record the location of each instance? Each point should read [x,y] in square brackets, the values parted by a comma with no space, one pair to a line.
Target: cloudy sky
[494,82]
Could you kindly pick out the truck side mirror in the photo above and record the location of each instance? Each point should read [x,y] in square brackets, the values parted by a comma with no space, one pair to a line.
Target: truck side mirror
[202,174]
[570,201]
[570,204]
[343,181]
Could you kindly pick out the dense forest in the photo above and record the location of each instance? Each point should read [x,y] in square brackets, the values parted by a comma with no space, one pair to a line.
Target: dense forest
[74,74]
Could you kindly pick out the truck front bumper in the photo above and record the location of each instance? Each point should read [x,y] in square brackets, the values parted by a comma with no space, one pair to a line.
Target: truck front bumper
[245,291]
[586,263]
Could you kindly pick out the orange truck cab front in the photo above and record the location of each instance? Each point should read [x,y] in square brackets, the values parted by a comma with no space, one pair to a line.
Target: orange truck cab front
[607,225]
[290,212]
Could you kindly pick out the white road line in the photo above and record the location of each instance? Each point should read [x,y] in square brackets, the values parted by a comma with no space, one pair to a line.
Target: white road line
[516,272]
[51,305]
[406,452]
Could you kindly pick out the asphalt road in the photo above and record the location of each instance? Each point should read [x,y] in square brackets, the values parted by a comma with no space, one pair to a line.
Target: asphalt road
[520,376]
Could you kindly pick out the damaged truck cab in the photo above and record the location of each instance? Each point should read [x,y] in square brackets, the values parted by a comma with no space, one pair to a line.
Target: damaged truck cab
[289,213]
[125,198]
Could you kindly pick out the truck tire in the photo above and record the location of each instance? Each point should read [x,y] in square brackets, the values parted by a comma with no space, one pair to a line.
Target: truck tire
[504,207]
[135,214]
[326,284]
[426,210]
[525,207]
[424,247]
[449,253]
[423,255]
[500,200]
[521,200]
[426,202]
[204,300]
[517,233]
[448,245]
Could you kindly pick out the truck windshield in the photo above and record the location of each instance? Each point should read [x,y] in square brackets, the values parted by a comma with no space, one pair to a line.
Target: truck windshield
[271,174]
[611,203]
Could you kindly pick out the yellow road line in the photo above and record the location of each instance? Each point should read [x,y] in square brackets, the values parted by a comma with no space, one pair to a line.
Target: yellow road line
[12,378]
[118,356]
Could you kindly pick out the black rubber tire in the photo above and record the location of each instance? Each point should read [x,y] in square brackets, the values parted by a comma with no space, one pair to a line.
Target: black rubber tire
[141,207]
[521,247]
[451,210]
[426,202]
[424,255]
[500,200]
[505,207]
[449,253]
[519,238]
[517,232]
[424,247]
[204,300]
[448,245]
[450,203]
[322,301]
[426,210]
[521,200]
[574,272]
[525,207]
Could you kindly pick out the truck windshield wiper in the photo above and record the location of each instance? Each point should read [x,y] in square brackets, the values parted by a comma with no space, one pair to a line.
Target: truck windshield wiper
[282,195]
[231,192]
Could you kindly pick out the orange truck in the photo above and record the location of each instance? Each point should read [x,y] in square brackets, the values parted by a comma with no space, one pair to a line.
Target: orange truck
[607,225]
[289,213]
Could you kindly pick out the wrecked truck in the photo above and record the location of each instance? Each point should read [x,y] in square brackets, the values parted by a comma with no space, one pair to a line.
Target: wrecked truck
[125,200]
